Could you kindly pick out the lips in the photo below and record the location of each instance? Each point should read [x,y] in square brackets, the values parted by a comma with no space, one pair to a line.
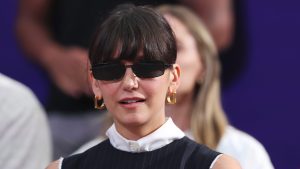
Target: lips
[131,100]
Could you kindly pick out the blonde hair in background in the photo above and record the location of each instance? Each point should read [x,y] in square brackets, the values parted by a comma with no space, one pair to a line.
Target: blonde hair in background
[208,120]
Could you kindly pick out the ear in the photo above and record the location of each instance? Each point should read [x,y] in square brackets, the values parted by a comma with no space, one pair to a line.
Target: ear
[175,78]
[95,85]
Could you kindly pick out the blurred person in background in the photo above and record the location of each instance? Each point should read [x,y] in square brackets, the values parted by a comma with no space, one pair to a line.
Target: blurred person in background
[226,21]
[199,111]
[55,35]
[24,132]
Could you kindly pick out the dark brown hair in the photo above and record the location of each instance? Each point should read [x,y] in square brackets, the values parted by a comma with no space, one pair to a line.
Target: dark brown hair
[129,30]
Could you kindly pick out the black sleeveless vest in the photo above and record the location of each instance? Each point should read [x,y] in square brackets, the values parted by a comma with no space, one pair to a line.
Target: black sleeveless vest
[180,154]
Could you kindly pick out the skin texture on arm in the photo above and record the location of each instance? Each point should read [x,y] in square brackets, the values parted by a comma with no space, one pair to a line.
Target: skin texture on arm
[66,66]
[226,162]
[218,17]
[53,165]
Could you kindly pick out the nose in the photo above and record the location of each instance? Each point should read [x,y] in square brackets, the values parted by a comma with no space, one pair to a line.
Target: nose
[130,80]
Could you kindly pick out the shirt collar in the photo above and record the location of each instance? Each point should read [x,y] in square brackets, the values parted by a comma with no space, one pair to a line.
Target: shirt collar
[164,135]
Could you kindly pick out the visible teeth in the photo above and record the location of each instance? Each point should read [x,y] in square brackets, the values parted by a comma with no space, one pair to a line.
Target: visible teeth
[130,101]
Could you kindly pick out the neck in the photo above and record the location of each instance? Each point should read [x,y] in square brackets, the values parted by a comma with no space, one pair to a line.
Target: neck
[181,112]
[138,131]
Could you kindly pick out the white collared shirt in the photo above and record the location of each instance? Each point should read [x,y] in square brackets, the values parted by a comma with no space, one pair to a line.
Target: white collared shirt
[164,135]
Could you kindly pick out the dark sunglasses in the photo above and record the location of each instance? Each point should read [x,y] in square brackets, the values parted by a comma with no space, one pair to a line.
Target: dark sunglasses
[116,71]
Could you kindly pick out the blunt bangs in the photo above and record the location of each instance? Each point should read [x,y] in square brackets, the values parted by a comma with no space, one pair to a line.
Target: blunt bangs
[133,33]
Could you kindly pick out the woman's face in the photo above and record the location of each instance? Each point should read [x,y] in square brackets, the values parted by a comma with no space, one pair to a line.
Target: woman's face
[188,57]
[136,103]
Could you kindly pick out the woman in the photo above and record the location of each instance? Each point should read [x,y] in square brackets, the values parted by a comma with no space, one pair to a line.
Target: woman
[198,111]
[133,58]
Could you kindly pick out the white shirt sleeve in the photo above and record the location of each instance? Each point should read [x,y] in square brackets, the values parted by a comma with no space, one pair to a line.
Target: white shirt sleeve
[246,149]
[25,137]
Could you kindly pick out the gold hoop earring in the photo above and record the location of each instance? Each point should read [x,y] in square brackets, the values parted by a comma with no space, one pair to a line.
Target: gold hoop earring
[171,98]
[98,103]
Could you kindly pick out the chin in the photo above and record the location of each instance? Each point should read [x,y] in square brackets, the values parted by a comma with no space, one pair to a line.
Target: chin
[133,120]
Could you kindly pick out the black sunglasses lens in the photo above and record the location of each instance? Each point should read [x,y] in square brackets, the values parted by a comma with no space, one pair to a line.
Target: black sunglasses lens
[109,72]
[115,71]
[148,70]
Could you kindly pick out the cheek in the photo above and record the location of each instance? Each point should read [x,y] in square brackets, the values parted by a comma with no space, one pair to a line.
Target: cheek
[190,63]
[108,91]
[191,68]
[188,54]
[154,87]
[155,90]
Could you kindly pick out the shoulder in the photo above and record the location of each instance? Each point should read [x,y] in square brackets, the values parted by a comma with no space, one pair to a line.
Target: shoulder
[17,98]
[236,141]
[89,145]
[200,149]
[21,112]
[10,87]
[20,107]
[85,158]
[226,162]
[198,155]
[54,165]
[243,147]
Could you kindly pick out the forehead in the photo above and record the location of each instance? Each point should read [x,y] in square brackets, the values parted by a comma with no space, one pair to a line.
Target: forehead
[132,56]
[177,26]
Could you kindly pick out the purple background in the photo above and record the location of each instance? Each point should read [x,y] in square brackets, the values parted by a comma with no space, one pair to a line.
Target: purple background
[263,102]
